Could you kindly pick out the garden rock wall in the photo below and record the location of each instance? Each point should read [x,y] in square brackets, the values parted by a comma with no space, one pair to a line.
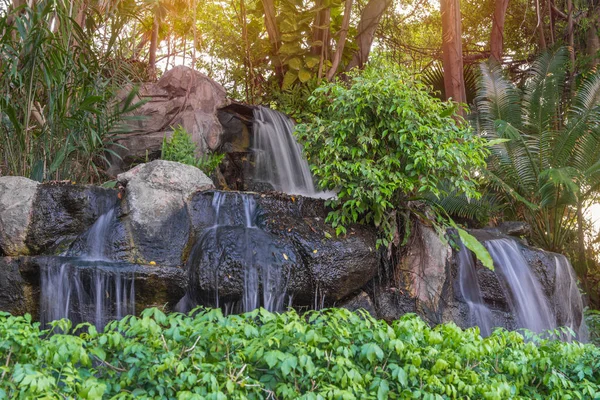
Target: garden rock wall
[164,229]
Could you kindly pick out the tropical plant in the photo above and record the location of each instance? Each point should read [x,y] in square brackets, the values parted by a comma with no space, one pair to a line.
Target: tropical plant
[57,110]
[330,354]
[181,148]
[381,140]
[545,161]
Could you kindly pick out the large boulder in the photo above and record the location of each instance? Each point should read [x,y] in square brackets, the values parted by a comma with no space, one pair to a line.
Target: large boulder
[286,236]
[154,209]
[17,195]
[183,97]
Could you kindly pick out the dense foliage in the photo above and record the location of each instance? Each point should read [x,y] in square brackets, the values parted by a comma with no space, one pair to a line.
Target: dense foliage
[58,116]
[546,167]
[382,140]
[181,148]
[330,354]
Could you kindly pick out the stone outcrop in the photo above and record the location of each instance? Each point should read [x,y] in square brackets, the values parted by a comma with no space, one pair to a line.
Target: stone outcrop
[181,97]
[155,213]
[16,208]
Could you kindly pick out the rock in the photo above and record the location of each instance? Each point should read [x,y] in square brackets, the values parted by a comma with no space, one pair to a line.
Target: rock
[391,303]
[286,233]
[424,268]
[224,262]
[16,205]
[514,228]
[62,212]
[12,287]
[181,97]
[361,301]
[236,133]
[156,217]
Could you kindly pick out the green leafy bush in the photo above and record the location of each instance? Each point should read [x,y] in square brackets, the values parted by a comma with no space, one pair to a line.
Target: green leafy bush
[181,148]
[381,140]
[330,354]
[592,319]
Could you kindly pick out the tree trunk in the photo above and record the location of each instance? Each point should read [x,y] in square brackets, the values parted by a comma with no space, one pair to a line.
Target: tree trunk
[274,36]
[320,32]
[552,22]
[497,37]
[540,25]
[454,82]
[593,42]
[339,48]
[369,20]
[153,48]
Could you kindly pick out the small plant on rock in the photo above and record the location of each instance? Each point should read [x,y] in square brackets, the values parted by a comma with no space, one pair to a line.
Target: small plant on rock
[181,148]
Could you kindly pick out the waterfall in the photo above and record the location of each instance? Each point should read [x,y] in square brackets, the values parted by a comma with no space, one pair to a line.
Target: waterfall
[278,156]
[527,299]
[88,287]
[232,230]
[523,291]
[479,313]
[567,298]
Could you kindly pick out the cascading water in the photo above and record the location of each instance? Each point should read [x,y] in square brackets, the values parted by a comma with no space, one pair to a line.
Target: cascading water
[279,159]
[479,314]
[568,303]
[232,228]
[523,291]
[89,287]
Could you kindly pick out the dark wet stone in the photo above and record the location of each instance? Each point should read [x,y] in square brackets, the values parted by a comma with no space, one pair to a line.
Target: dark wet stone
[361,301]
[61,212]
[321,264]
[12,294]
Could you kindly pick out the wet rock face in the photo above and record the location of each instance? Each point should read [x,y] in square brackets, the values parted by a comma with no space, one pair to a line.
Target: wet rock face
[12,287]
[61,212]
[17,196]
[155,213]
[20,277]
[285,232]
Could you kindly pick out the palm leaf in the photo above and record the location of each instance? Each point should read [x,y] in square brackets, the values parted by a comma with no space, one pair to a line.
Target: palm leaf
[497,99]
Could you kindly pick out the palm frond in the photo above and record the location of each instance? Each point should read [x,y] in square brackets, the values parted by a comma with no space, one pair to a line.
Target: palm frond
[543,88]
[583,116]
[497,99]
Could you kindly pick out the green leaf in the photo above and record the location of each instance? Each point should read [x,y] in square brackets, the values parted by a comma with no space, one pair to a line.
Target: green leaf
[289,79]
[304,75]
[295,63]
[477,248]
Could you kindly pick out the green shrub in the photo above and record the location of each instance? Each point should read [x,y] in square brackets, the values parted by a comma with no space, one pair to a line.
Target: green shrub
[592,319]
[181,148]
[382,140]
[330,354]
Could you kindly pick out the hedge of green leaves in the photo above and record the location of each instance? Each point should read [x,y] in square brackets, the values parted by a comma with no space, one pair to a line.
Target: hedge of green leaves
[332,354]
